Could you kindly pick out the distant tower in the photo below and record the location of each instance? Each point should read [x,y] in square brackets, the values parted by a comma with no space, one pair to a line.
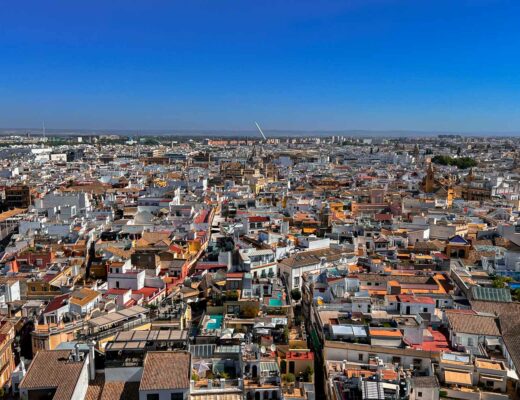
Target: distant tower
[429,182]
[416,152]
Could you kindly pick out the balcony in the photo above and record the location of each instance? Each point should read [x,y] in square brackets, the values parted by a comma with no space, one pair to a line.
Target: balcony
[216,385]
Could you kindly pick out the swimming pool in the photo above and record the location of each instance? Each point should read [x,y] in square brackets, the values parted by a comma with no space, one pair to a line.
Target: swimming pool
[215,322]
[275,302]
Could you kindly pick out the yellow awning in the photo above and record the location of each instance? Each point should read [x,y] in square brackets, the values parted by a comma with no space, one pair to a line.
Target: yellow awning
[459,378]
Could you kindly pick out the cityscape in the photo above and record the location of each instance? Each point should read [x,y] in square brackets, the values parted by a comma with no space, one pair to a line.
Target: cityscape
[260,200]
[260,267]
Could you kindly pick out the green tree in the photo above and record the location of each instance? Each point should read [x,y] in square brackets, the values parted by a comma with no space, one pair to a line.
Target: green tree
[461,162]
[296,295]
[501,281]
[286,335]
[308,373]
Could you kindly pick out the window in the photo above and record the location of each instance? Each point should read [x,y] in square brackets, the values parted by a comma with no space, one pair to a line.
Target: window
[297,282]
[425,309]
[470,341]
[176,396]
[360,357]
[233,310]
[419,394]
[152,396]
[291,367]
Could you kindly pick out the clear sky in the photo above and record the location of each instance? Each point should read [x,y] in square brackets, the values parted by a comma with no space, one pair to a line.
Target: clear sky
[289,64]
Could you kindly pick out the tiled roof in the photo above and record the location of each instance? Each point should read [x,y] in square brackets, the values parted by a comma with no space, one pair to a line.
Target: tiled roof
[473,324]
[157,377]
[57,303]
[510,327]
[99,389]
[307,258]
[425,382]
[53,369]
[495,307]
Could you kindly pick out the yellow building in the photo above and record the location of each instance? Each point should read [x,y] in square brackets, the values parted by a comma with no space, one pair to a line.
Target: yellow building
[6,352]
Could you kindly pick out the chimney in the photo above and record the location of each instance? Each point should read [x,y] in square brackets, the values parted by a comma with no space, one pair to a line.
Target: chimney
[91,361]
[77,356]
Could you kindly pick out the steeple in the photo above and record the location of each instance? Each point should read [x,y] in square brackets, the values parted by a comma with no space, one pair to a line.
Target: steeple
[429,181]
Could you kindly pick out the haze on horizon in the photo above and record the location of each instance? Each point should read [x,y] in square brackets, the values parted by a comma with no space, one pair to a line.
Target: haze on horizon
[331,65]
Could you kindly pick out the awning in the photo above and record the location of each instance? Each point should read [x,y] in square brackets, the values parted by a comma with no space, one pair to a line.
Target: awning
[268,366]
[511,374]
[222,396]
[492,342]
[459,378]
[491,378]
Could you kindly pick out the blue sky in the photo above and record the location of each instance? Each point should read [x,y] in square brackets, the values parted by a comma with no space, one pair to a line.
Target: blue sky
[294,64]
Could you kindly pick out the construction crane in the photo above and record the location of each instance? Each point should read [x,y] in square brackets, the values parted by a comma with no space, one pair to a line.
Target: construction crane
[260,130]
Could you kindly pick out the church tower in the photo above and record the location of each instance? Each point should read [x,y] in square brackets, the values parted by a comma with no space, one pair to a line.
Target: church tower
[429,182]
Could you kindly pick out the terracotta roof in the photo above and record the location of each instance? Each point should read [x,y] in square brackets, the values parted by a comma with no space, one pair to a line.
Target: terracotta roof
[510,327]
[473,324]
[99,389]
[307,258]
[120,390]
[83,296]
[119,252]
[52,369]
[157,377]
[495,307]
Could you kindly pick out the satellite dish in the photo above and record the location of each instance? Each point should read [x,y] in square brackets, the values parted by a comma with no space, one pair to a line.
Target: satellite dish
[273,347]
[262,349]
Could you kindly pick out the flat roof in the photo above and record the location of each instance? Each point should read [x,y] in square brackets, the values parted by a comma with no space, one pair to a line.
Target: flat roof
[151,335]
[118,316]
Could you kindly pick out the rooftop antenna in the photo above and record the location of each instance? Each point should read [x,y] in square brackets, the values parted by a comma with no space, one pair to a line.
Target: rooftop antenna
[260,129]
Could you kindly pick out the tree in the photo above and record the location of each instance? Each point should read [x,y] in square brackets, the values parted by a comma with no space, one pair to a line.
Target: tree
[289,378]
[461,163]
[296,295]
[501,281]
[308,373]
[286,334]
[248,311]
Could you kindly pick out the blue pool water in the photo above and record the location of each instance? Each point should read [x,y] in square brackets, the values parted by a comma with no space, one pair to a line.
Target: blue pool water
[217,324]
[514,286]
[275,302]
